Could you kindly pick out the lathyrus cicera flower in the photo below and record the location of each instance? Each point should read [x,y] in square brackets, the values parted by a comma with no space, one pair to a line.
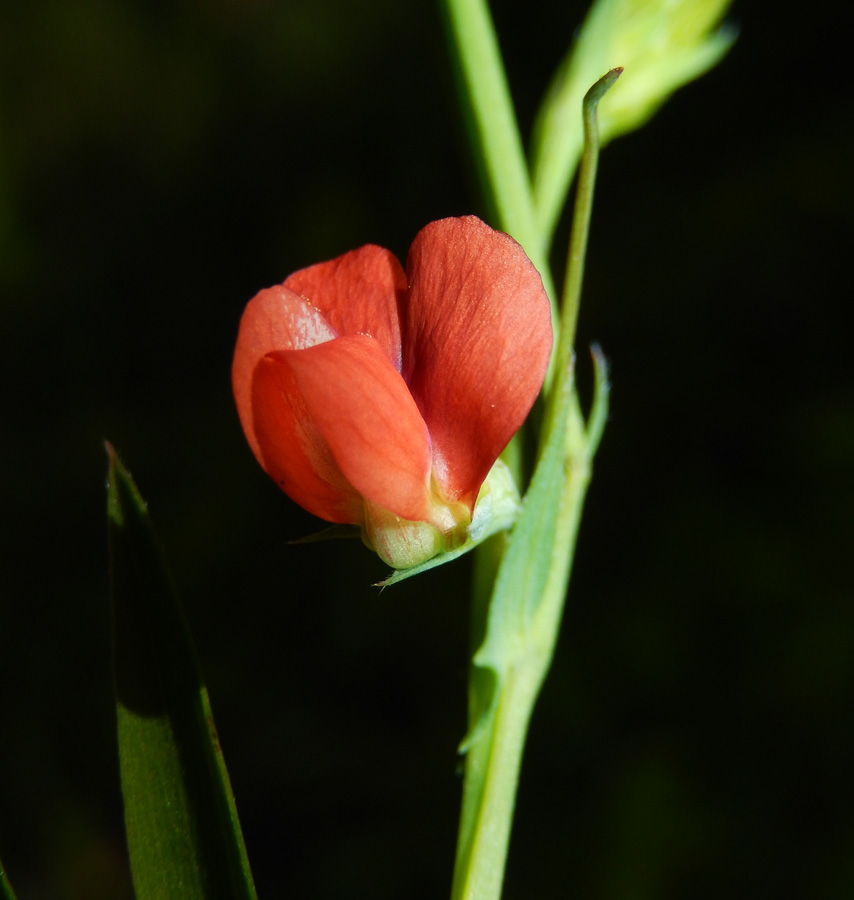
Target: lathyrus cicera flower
[382,398]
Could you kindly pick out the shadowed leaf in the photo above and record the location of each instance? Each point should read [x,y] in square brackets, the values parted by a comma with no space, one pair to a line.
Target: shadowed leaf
[183,835]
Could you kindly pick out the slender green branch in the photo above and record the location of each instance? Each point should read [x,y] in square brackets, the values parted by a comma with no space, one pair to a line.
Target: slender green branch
[496,141]
[505,677]
[599,408]
[581,217]
[523,618]
[494,761]
[522,626]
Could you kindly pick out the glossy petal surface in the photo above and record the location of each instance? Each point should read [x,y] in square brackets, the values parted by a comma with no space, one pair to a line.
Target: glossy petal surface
[292,449]
[476,337]
[361,410]
[358,293]
[362,388]
[275,319]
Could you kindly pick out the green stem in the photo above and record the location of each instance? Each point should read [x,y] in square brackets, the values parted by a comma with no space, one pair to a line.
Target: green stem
[581,217]
[494,762]
[494,758]
[496,141]
[523,618]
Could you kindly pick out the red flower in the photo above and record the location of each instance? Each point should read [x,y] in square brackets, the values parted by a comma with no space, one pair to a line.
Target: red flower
[373,395]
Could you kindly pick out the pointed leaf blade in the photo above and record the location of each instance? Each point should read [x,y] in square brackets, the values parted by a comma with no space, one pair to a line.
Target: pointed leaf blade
[6,892]
[662,45]
[183,834]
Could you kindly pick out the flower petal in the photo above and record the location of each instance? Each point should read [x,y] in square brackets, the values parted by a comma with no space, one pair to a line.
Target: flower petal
[361,409]
[291,448]
[476,342]
[358,293]
[275,319]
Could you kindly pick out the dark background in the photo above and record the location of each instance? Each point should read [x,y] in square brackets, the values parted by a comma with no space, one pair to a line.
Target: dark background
[159,163]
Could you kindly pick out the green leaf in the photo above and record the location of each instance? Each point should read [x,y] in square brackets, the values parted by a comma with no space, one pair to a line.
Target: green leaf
[522,619]
[520,588]
[662,44]
[6,892]
[183,834]
[522,625]
[507,672]
[527,601]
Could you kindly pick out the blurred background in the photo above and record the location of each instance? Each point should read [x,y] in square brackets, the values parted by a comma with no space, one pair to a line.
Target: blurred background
[159,163]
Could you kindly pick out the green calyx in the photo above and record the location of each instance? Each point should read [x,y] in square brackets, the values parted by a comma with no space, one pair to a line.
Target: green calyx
[402,543]
[411,547]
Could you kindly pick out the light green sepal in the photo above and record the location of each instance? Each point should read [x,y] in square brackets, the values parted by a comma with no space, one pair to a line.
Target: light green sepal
[497,508]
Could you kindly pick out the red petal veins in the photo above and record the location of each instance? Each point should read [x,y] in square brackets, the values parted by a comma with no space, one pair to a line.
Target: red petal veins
[476,340]
[358,293]
[362,410]
[317,372]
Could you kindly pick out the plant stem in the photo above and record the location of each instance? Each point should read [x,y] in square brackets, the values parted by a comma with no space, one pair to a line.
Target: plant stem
[496,142]
[494,758]
[497,756]
[522,620]
[581,217]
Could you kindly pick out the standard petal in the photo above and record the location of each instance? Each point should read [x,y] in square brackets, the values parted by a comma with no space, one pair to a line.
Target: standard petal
[362,409]
[275,319]
[476,340]
[358,293]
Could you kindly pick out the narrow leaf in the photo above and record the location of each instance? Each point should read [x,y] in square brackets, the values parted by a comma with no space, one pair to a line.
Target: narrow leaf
[6,892]
[529,592]
[523,617]
[183,834]
[507,671]
[663,44]
[521,584]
